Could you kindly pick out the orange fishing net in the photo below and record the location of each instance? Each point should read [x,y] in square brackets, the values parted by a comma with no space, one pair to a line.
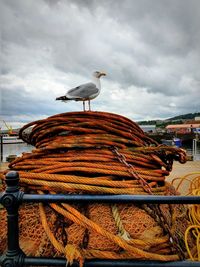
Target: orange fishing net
[97,153]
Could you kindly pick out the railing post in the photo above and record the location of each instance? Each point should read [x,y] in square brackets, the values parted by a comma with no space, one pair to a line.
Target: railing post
[1,147]
[11,199]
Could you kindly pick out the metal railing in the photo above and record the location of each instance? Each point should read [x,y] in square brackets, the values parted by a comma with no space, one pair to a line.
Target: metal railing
[13,197]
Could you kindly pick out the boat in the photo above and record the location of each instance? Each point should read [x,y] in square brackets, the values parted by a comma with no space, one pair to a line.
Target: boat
[176,142]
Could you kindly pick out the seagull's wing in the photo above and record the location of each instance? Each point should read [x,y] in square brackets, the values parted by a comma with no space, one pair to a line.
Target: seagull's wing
[83,91]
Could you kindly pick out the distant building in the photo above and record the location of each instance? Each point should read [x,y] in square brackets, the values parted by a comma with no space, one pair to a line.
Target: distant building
[197,118]
[184,128]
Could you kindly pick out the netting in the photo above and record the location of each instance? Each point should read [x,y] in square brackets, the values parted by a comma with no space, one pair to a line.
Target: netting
[98,153]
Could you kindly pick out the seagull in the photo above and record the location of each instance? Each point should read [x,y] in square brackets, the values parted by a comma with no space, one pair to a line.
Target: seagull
[85,92]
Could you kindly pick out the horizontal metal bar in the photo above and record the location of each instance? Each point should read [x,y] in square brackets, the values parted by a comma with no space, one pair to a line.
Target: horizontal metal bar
[112,199]
[108,263]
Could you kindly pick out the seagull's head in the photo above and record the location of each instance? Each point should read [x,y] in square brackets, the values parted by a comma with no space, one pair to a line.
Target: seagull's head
[98,74]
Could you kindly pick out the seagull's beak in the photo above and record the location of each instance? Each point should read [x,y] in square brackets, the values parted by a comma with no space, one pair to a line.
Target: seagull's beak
[102,74]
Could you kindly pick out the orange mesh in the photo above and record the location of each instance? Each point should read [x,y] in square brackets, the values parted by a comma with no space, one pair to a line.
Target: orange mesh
[33,239]
[102,215]
[137,227]
[75,234]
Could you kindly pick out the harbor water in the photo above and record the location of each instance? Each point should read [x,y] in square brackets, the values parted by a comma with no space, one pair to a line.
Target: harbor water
[15,149]
[18,149]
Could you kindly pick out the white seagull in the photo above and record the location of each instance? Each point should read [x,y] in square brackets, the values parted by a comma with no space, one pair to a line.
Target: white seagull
[84,92]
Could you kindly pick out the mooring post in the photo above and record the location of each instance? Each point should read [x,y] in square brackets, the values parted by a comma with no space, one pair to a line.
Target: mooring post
[11,199]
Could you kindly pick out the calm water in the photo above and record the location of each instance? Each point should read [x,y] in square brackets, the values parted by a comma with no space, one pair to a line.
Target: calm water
[15,149]
[18,149]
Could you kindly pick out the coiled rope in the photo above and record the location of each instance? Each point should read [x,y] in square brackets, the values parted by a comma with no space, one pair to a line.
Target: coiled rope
[72,148]
[98,152]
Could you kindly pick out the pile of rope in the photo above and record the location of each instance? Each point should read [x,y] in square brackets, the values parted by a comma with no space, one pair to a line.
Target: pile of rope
[99,153]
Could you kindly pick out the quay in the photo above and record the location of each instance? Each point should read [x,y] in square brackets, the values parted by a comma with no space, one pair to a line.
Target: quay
[180,170]
[3,166]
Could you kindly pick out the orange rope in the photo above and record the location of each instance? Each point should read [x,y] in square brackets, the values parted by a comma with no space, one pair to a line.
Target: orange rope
[96,152]
[77,217]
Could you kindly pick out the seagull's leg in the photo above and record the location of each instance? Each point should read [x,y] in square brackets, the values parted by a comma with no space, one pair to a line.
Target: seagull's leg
[89,105]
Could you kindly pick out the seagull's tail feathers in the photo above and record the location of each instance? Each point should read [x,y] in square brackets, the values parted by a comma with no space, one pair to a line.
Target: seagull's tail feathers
[63,98]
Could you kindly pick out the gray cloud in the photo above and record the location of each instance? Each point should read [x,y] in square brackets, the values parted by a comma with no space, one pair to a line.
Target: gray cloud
[149,48]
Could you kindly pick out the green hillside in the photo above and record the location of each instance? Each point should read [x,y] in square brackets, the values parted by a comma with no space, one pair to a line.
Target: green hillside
[188,116]
[174,120]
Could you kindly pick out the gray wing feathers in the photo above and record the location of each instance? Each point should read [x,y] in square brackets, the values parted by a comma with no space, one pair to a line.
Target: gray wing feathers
[83,91]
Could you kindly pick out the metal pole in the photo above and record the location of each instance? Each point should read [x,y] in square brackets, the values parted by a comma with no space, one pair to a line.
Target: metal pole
[194,149]
[1,147]
[108,263]
[142,199]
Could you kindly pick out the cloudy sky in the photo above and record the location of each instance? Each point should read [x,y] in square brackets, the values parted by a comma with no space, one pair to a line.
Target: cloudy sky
[150,50]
